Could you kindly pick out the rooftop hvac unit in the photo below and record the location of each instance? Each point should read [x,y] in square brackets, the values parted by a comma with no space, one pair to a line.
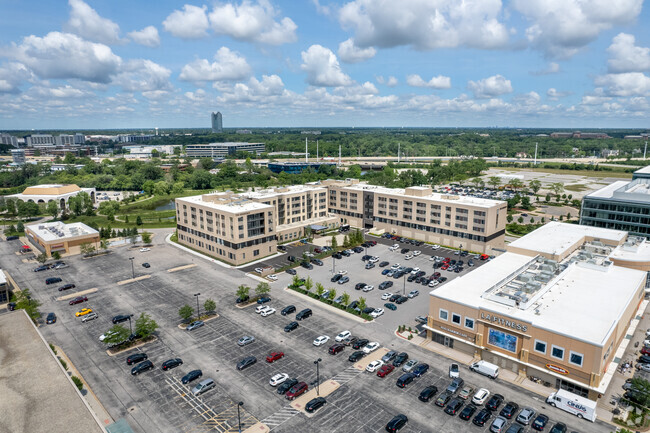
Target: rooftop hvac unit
[41,227]
[597,243]
[524,277]
[533,286]
[544,277]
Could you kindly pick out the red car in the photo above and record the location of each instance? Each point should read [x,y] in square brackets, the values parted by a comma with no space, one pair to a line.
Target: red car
[385,369]
[78,300]
[318,250]
[337,348]
[274,356]
[297,390]
[446,260]
[484,257]
[373,243]
[645,351]
[444,267]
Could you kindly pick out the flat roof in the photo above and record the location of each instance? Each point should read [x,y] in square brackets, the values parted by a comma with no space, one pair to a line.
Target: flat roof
[555,237]
[37,395]
[58,230]
[274,192]
[645,169]
[237,205]
[438,197]
[229,143]
[583,302]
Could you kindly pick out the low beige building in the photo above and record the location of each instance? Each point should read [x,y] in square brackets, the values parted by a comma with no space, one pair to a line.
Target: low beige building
[58,193]
[61,237]
[555,306]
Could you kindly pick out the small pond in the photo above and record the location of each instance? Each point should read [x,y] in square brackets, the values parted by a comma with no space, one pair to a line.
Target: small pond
[167,206]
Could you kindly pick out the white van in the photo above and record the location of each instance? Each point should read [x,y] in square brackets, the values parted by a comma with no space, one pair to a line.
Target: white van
[579,406]
[486,369]
[203,386]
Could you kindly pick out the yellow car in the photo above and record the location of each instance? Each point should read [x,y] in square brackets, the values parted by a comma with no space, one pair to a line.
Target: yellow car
[83,312]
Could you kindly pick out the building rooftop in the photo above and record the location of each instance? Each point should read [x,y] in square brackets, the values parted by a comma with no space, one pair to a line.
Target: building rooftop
[274,192]
[37,395]
[582,299]
[50,189]
[644,170]
[225,203]
[555,238]
[637,190]
[228,143]
[59,230]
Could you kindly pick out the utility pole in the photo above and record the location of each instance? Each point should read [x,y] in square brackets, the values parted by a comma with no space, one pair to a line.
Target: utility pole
[645,149]
[535,163]
[316,150]
[339,155]
[398,151]
[306,151]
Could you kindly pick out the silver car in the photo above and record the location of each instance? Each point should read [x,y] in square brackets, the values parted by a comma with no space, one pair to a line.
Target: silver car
[203,386]
[90,316]
[409,365]
[246,339]
[498,425]
[526,416]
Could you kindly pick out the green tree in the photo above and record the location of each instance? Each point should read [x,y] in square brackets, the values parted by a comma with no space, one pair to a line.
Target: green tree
[568,215]
[11,229]
[525,203]
[20,227]
[335,243]
[186,312]
[557,188]
[145,326]
[56,255]
[24,301]
[86,248]
[354,171]
[262,289]
[295,281]
[309,284]
[535,185]
[242,291]
[520,220]
[116,335]
[320,289]
[532,220]
[146,237]
[509,218]
[543,220]
[41,258]
[52,209]
[249,165]
[362,304]
[138,221]
[178,187]
[104,244]
[161,188]
[210,306]
[346,242]
[516,184]
[494,181]
[332,294]
[345,299]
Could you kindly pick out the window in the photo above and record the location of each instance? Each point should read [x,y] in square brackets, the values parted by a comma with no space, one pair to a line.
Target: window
[576,358]
[444,315]
[469,323]
[455,318]
[540,346]
[557,352]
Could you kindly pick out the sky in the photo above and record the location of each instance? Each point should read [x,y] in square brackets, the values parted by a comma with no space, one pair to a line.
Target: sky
[316,63]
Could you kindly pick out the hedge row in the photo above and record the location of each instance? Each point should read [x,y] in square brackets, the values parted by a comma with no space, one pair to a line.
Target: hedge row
[329,302]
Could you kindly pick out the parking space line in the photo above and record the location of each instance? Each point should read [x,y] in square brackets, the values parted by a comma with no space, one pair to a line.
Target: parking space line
[280,417]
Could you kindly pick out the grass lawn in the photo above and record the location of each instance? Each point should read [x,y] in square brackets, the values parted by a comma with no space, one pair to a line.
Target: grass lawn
[149,204]
[102,221]
[586,173]
[576,188]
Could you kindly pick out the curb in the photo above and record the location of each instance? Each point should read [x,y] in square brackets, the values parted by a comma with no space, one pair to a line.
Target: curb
[328,307]
[183,326]
[109,353]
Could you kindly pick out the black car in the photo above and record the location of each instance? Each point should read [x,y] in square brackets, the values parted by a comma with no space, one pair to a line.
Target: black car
[143,366]
[385,285]
[360,343]
[291,326]
[357,250]
[353,305]
[454,406]
[337,256]
[483,416]
[427,393]
[286,385]
[317,262]
[11,306]
[242,299]
[401,300]
[345,253]
[400,359]
[494,402]
[405,250]
[291,271]
[11,238]
[443,399]
[66,287]
[509,410]
[540,422]
[368,310]
[53,280]
[246,362]
[304,314]
[291,258]
[336,277]
[404,380]
[42,268]
[136,357]
[384,264]
[51,318]
[263,300]
[394,297]
[192,375]
[515,428]
[307,265]
[288,310]
[644,359]
[359,286]
[171,363]
[397,423]
[467,412]
[121,318]
[315,404]
[355,356]
[366,257]
[146,265]
[559,428]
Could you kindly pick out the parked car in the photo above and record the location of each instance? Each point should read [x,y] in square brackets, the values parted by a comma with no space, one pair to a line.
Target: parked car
[342,336]
[263,300]
[246,339]
[371,347]
[88,317]
[288,310]
[191,376]
[343,280]
[274,356]
[540,422]
[498,425]
[481,396]
[467,412]
[482,417]
[374,366]
[385,369]
[42,268]
[455,385]
[465,392]
[559,428]
[120,318]
[360,343]
[53,280]
[171,363]
[291,326]
[314,404]
[427,393]
[509,410]
[397,423]
[336,348]
[400,359]
[420,369]
[443,399]
[389,356]
[525,416]
[278,379]
[404,380]
[203,386]
[494,402]
[51,318]
[390,306]
[66,287]
[319,341]
[78,300]
[195,325]
[356,356]
[454,406]
[296,390]
[286,385]
[146,265]
[304,314]
[142,367]
[83,312]
[246,362]
[409,365]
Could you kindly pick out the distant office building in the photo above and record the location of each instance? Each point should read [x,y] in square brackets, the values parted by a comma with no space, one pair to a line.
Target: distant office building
[310,132]
[79,138]
[64,140]
[145,151]
[18,156]
[578,134]
[8,139]
[296,167]
[244,131]
[34,139]
[221,150]
[217,122]
[131,138]
[606,153]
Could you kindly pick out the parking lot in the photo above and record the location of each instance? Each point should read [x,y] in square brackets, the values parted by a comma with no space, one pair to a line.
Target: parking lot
[156,401]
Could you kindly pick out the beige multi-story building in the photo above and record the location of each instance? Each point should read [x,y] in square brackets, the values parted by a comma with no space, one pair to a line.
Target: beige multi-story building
[558,306]
[417,212]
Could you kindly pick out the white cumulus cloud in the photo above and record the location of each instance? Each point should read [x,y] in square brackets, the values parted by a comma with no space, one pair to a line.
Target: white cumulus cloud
[390,81]
[323,68]
[252,22]
[439,82]
[87,23]
[140,75]
[490,87]
[148,37]
[227,66]
[553,94]
[425,24]
[626,84]
[190,23]
[12,75]
[350,53]
[625,56]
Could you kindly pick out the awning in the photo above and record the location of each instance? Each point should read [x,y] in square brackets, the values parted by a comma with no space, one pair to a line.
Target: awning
[317,227]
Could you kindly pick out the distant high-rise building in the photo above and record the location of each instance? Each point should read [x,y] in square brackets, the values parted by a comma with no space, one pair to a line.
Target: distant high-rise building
[18,156]
[8,139]
[217,122]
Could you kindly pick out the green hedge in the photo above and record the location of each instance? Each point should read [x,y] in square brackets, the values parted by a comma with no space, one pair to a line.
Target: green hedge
[327,301]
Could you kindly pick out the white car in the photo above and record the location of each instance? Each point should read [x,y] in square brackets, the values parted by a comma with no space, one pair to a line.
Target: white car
[435,246]
[342,336]
[432,258]
[371,347]
[319,341]
[308,254]
[481,396]
[644,367]
[416,253]
[144,250]
[395,246]
[454,370]
[408,256]
[374,366]
[342,272]
[104,335]
[415,271]
[267,312]
[278,379]
[386,296]
[433,283]
[395,267]
[373,259]
[260,308]
[413,293]
[272,277]
[368,288]
[378,312]
[259,270]
[349,252]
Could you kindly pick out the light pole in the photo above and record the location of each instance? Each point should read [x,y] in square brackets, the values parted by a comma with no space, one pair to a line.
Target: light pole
[132,268]
[130,327]
[317,362]
[404,279]
[198,314]
[241,403]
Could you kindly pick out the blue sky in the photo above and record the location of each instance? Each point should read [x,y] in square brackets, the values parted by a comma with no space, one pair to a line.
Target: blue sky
[318,63]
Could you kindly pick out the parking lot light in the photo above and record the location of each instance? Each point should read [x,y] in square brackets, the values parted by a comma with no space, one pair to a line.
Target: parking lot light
[132,268]
[198,313]
[241,403]
[317,376]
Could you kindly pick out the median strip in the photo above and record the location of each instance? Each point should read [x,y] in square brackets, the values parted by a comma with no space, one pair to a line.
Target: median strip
[133,280]
[75,294]
[374,356]
[326,388]
[180,268]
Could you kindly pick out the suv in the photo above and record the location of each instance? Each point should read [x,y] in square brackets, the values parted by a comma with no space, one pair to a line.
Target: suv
[288,310]
[53,280]
[120,318]
[297,390]
[136,357]
[404,380]
[400,359]
[525,416]
[203,386]
[304,314]
[143,366]
[494,402]
[336,348]
[171,363]
[483,416]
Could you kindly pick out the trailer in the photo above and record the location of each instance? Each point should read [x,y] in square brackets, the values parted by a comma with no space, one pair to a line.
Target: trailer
[579,406]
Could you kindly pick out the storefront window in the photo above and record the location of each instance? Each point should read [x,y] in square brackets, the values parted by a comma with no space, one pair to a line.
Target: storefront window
[540,346]
[444,315]
[557,352]
[576,359]
[455,318]
[469,323]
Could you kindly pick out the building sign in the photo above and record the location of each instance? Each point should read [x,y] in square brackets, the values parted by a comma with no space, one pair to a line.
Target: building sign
[452,331]
[556,369]
[503,322]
